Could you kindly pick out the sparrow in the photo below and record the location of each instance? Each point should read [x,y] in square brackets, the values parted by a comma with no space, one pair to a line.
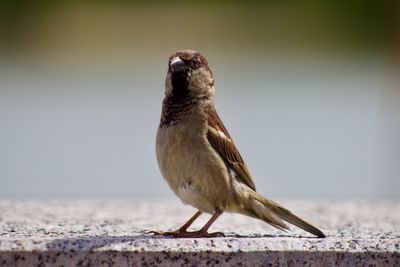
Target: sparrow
[198,158]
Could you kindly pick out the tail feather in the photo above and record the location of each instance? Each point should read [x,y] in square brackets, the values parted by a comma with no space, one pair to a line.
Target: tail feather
[258,210]
[274,214]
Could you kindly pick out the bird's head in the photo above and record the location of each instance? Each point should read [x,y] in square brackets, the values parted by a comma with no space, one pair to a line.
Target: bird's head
[189,76]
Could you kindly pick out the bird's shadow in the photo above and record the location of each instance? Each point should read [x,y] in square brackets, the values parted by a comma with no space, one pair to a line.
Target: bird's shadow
[140,239]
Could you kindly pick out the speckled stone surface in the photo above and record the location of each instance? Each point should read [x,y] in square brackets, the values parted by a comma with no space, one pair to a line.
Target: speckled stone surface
[116,233]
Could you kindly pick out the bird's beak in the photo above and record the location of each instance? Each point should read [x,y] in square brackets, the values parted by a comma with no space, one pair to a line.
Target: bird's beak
[178,65]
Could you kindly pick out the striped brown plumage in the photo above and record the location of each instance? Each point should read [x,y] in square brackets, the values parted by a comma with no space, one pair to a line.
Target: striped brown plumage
[174,109]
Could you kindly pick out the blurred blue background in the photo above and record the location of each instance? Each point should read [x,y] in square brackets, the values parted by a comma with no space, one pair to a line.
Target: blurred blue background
[308,91]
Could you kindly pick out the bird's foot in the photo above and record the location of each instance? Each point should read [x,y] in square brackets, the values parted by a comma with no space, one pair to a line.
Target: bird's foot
[186,234]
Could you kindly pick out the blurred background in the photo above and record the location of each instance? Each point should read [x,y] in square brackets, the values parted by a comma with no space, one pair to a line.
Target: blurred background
[308,90]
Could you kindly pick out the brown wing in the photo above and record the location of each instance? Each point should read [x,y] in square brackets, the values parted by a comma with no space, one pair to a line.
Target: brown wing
[221,141]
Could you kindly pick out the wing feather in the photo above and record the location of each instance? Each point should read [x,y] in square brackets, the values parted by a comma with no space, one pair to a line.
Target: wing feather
[221,141]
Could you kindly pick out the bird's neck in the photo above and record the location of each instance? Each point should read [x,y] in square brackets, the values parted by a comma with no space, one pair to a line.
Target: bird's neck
[176,108]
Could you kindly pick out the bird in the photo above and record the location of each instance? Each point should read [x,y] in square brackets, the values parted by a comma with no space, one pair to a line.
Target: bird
[198,158]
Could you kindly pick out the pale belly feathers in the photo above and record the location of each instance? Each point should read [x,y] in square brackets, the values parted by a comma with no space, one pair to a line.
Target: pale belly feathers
[192,169]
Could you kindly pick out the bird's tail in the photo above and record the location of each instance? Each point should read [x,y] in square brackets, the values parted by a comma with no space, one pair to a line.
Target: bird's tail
[272,213]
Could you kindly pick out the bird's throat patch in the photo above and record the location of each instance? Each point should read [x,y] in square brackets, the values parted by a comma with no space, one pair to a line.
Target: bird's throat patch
[180,84]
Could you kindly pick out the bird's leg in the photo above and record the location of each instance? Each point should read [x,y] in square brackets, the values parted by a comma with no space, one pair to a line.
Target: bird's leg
[189,222]
[182,229]
[203,231]
[182,233]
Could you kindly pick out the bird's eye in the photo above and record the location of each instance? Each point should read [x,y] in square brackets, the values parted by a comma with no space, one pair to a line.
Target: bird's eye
[195,63]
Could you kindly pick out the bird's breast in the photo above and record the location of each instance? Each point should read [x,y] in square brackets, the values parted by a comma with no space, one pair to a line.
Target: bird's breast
[180,150]
[192,169]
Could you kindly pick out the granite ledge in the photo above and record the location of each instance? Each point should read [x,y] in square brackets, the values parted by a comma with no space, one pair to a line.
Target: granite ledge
[116,232]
